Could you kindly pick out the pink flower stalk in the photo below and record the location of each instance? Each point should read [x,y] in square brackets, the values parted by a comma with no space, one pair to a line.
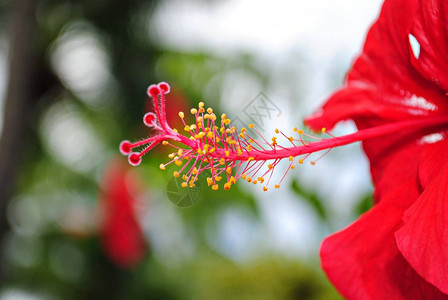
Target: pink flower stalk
[232,154]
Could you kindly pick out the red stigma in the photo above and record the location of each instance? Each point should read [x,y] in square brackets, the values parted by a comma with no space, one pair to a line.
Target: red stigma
[153,90]
[164,87]
[125,147]
[149,119]
[135,159]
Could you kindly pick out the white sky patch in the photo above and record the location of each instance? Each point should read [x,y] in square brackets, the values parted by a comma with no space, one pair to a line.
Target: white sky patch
[415,46]
[320,26]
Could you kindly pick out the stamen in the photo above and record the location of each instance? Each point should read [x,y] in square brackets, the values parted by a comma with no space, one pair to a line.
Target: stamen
[218,147]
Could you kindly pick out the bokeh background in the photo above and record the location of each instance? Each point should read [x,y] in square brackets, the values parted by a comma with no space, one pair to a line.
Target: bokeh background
[76,222]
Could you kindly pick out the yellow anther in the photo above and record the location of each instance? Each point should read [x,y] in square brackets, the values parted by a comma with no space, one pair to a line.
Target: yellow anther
[199,151]
[175,130]
[251,140]
[239,151]
[313,163]
[227,186]
[261,179]
[250,158]
[277,186]
[209,181]
[180,152]
[251,125]
[165,143]
[223,116]
[218,178]
[212,150]
[227,121]
[222,130]
[201,110]
[270,167]
[162,167]
[181,115]
[243,129]
[178,163]
[171,155]
[294,129]
[184,177]
[254,182]
[209,110]
[184,184]
[192,127]
[222,161]
[249,179]
[232,180]
[249,148]
[187,128]
[243,176]
[215,187]
[324,129]
[276,130]
[195,171]
[210,135]
[201,104]
[291,158]
[176,174]
[300,131]
[291,138]
[293,167]
[229,170]
[194,111]
[265,189]
[301,161]
[227,152]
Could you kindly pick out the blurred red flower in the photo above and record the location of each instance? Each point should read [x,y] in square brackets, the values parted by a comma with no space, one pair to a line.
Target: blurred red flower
[399,249]
[121,234]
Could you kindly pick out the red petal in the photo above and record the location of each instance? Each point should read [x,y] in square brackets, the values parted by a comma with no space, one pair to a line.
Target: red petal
[431,31]
[363,260]
[433,157]
[423,240]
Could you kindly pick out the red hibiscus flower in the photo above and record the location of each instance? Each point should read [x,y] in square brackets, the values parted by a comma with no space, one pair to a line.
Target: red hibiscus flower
[399,249]
[121,234]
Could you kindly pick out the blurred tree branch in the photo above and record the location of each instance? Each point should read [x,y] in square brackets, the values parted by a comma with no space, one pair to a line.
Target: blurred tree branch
[18,101]
[28,79]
